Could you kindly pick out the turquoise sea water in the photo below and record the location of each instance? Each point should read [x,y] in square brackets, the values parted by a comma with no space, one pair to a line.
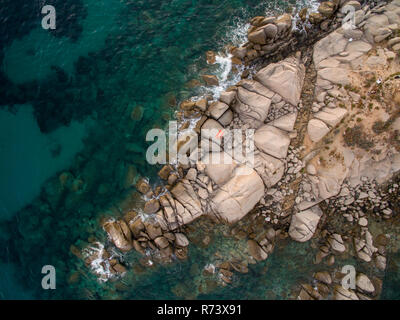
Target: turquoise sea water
[80,100]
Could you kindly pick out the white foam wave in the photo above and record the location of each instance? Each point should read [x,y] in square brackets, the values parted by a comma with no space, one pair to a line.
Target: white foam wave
[99,266]
[224,74]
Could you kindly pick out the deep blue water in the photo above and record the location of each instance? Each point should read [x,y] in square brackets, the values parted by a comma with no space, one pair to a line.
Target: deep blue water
[80,99]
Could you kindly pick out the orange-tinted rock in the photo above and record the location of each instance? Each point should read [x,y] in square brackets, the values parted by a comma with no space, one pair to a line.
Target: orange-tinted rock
[165,171]
[210,80]
[143,186]
[120,234]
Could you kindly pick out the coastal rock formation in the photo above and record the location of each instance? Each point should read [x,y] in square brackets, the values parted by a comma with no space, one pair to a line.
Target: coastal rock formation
[272,141]
[252,107]
[285,78]
[120,234]
[321,153]
[269,168]
[238,196]
[304,224]
[317,129]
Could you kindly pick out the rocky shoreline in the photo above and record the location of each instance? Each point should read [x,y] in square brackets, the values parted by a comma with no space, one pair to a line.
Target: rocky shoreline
[323,101]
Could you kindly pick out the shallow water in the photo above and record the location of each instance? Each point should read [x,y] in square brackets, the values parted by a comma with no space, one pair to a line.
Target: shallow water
[110,72]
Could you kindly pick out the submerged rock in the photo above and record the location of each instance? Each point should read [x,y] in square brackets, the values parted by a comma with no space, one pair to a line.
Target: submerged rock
[210,80]
[256,251]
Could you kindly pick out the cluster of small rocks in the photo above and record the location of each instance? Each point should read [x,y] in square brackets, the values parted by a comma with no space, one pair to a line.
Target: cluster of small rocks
[280,109]
[365,197]
[328,285]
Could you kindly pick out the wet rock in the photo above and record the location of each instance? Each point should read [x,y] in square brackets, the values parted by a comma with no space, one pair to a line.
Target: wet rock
[226,118]
[201,104]
[227,97]
[181,253]
[210,57]
[181,240]
[283,22]
[210,80]
[187,105]
[326,8]
[239,52]
[165,171]
[323,276]
[252,107]
[138,247]
[364,284]
[120,234]
[143,186]
[315,17]
[161,242]
[270,30]
[119,268]
[153,230]
[136,226]
[256,251]
[151,206]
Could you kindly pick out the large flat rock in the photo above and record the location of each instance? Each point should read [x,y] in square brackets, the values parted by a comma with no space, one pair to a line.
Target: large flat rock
[285,78]
[272,141]
[219,166]
[317,129]
[331,116]
[269,168]
[252,107]
[185,194]
[285,122]
[304,224]
[238,196]
[331,45]
[335,75]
